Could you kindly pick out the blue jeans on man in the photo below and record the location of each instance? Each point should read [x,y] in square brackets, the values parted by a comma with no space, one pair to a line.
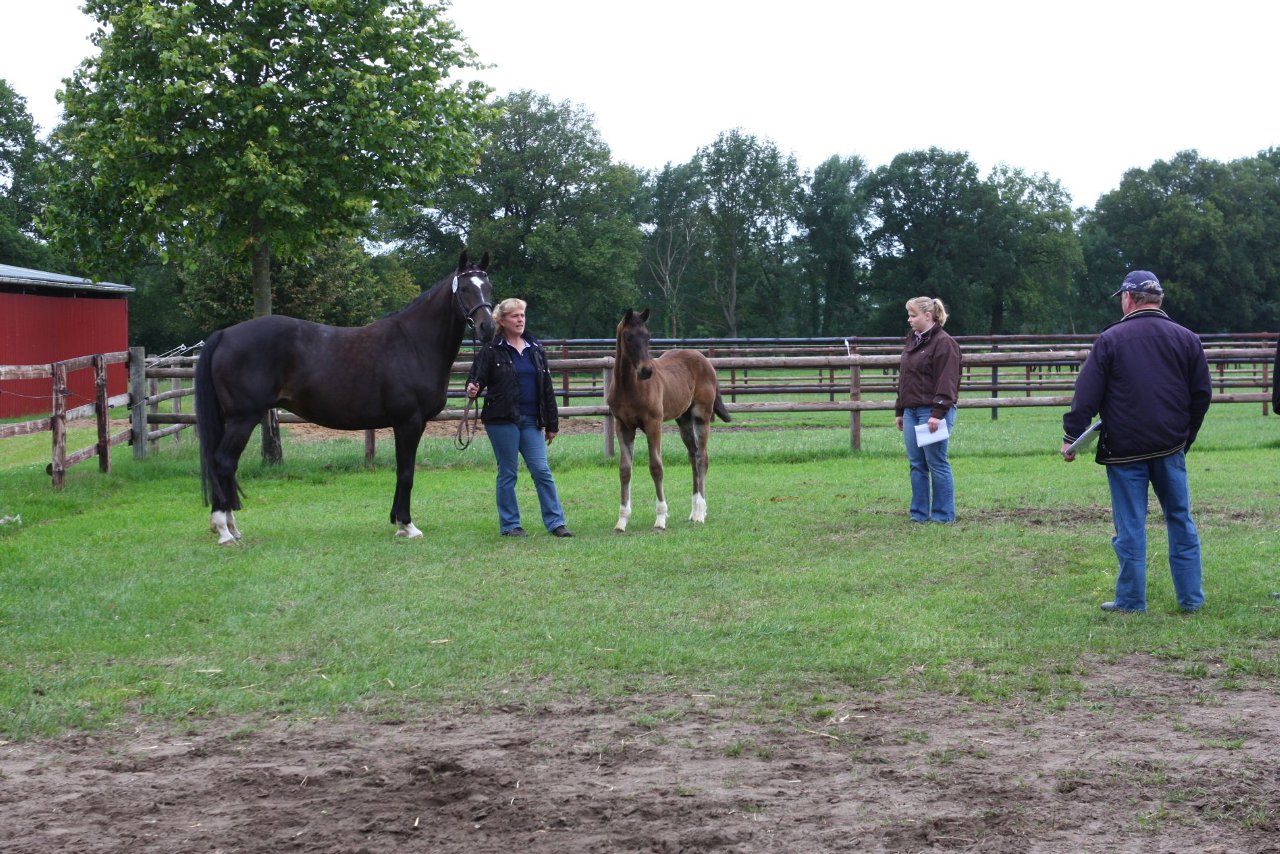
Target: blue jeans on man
[510,441]
[1168,477]
[929,468]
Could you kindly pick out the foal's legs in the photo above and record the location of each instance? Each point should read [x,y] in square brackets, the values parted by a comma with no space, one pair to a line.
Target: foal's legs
[653,432]
[694,432]
[626,443]
[226,490]
[408,435]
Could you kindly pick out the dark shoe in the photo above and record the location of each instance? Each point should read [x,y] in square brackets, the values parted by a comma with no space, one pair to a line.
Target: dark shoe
[562,531]
[516,532]
[1113,607]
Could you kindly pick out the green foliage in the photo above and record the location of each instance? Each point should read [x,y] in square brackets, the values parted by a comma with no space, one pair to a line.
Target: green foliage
[22,191]
[255,130]
[1209,230]
[339,284]
[749,197]
[834,213]
[551,209]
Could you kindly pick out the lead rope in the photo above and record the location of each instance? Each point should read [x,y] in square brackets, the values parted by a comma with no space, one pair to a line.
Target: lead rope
[466,427]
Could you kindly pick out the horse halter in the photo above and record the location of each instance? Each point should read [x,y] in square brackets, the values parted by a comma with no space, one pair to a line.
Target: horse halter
[468,316]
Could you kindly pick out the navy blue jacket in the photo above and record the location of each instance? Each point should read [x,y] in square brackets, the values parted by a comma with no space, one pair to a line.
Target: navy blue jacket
[495,373]
[1148,378]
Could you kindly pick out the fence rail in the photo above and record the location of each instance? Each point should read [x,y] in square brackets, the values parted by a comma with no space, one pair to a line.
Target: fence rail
[841,375]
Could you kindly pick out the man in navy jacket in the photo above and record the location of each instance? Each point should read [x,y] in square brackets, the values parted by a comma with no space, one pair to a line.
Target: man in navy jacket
[1148,378]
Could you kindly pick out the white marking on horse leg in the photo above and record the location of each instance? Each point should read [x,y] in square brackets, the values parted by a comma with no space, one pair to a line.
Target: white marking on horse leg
[218,524]
[661,521]
[624,515]
[408,531]
[231,524]
[699,512]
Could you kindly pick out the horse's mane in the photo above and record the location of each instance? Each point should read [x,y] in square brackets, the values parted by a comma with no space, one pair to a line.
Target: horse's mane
[431,291]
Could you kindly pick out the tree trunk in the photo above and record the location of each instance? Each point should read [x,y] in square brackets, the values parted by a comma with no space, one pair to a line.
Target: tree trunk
[272,453]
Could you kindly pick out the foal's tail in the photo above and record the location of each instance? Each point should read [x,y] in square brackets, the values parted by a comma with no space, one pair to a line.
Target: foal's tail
[209,426]
[721,412]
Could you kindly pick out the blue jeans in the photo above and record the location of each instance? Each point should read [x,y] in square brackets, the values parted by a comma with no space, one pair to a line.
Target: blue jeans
[523,439]
[929,467]
[1168,477]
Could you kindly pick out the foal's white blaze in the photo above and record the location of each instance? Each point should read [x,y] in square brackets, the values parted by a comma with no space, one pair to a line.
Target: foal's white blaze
[661,521]
[699,512]
[624,513]
[407,530]
[218,524]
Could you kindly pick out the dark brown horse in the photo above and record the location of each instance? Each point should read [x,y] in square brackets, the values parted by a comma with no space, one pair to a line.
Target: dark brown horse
[392,373]
[679,385]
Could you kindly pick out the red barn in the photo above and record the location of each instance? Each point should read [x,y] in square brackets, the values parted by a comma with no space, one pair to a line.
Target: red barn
[47,317]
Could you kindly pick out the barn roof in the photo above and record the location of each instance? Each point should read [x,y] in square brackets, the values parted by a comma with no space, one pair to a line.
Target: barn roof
[11,275]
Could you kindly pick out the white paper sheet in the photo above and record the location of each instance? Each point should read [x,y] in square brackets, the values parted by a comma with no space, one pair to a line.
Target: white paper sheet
[924,437]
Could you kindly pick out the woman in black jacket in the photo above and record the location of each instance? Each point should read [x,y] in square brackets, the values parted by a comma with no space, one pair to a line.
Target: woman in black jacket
[519,409]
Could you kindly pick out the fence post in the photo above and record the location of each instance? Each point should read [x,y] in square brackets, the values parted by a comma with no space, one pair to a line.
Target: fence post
[58,424]
[101,413]
[138,401]
[995,384]
[855,393]
[564,375]
[608,419]
[370,446]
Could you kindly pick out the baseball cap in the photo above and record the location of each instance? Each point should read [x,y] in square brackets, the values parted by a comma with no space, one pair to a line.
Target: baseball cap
[1141,281]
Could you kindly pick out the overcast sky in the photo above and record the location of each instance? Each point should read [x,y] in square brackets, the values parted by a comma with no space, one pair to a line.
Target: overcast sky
[1079,91]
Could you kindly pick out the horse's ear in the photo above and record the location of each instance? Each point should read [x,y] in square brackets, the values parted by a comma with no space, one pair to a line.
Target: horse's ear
[462,261]
[626,313]
[484,261]
[644,316]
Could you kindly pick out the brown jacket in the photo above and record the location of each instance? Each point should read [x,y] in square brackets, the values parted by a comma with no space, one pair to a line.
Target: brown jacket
[930,373]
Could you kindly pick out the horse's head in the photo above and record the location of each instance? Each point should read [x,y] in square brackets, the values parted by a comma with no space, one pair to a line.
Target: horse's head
[633,341]
[473,295]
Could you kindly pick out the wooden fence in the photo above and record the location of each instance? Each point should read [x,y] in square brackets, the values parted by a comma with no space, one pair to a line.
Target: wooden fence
[832,375]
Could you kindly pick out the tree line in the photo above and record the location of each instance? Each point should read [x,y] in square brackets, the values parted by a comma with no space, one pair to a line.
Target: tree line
[327,161]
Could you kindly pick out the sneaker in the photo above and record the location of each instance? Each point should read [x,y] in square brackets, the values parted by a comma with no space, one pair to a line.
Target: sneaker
[1113,607]
[516,532]
[562,531]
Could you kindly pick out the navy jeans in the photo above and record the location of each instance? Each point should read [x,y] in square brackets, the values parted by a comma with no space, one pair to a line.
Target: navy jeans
[510,442]
[1129,483]
[929,468]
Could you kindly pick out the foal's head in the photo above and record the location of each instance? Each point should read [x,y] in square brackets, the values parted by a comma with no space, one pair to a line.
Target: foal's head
[633,341]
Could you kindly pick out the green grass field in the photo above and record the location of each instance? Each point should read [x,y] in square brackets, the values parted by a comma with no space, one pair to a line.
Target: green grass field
[115,599]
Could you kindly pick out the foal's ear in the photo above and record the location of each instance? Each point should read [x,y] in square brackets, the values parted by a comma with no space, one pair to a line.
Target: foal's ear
[627,314]
[644,316]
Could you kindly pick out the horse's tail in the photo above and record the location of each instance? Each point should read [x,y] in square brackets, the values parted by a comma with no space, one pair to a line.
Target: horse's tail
[209,426]
[721,412]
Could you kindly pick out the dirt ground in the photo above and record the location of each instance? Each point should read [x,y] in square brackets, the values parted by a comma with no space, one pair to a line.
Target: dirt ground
[1149,760]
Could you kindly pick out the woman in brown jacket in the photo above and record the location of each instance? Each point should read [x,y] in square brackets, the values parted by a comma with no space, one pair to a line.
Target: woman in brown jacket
[928,385]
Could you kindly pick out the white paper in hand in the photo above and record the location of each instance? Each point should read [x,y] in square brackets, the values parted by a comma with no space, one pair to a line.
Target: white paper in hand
[924,437]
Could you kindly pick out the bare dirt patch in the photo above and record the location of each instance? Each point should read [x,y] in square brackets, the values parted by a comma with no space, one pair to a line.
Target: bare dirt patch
[1146,761]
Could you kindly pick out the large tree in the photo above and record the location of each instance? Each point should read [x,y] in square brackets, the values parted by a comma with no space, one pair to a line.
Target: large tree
[833,212]
[21,188]
[749,199]
[552,209]
[256,130]
[675,239]
[1209,230]
[928,237]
